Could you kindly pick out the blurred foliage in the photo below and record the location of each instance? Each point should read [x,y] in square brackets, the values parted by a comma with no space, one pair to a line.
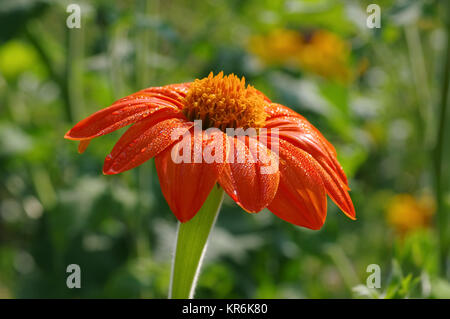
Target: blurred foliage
[56,208]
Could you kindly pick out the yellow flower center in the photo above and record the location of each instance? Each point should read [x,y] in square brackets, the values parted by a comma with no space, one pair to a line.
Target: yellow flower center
[224,102]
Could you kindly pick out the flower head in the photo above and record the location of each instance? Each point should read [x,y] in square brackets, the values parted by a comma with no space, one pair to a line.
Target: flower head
[225,102]
[164,126]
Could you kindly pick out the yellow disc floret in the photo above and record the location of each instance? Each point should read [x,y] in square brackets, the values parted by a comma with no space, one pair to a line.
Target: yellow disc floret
[225,102]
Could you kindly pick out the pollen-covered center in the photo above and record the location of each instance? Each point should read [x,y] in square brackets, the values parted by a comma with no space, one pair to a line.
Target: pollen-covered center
[224,102]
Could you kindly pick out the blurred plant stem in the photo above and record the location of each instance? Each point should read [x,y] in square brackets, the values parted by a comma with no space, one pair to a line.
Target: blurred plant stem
[43,186]
[70,79]
[421,81]
[32,35]
[191,244]
[116,71]
[344,266]
[145,42]
[438,154]
[73,81]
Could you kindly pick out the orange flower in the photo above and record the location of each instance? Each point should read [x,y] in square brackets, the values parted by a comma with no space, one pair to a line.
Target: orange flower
[296,192]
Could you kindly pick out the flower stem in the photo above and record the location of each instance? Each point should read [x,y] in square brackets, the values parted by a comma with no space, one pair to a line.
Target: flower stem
[192,239]
[438,154]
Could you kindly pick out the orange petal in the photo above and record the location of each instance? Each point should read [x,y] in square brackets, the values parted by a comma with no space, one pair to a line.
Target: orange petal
[123,112]
[298,131]
[301,198]
[175,91]
[337,191]
[187,185]
[275,110]
[243,176]
[302,136]
[82,146]
[143,141]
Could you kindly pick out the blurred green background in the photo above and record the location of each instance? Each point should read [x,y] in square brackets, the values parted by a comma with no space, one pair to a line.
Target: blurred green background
[374,93]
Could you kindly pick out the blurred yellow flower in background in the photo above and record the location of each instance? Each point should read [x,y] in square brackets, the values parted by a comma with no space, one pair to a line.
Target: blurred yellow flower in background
[280,46]
[318,51]
[406,213]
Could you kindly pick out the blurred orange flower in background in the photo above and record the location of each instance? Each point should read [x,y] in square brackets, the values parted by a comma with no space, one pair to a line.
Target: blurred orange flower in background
[318,51]
[406,213]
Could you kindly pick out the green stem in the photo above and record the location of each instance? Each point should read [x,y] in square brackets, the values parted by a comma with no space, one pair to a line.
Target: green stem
[438,154]
[192,239]
[73,77]
[420,77]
